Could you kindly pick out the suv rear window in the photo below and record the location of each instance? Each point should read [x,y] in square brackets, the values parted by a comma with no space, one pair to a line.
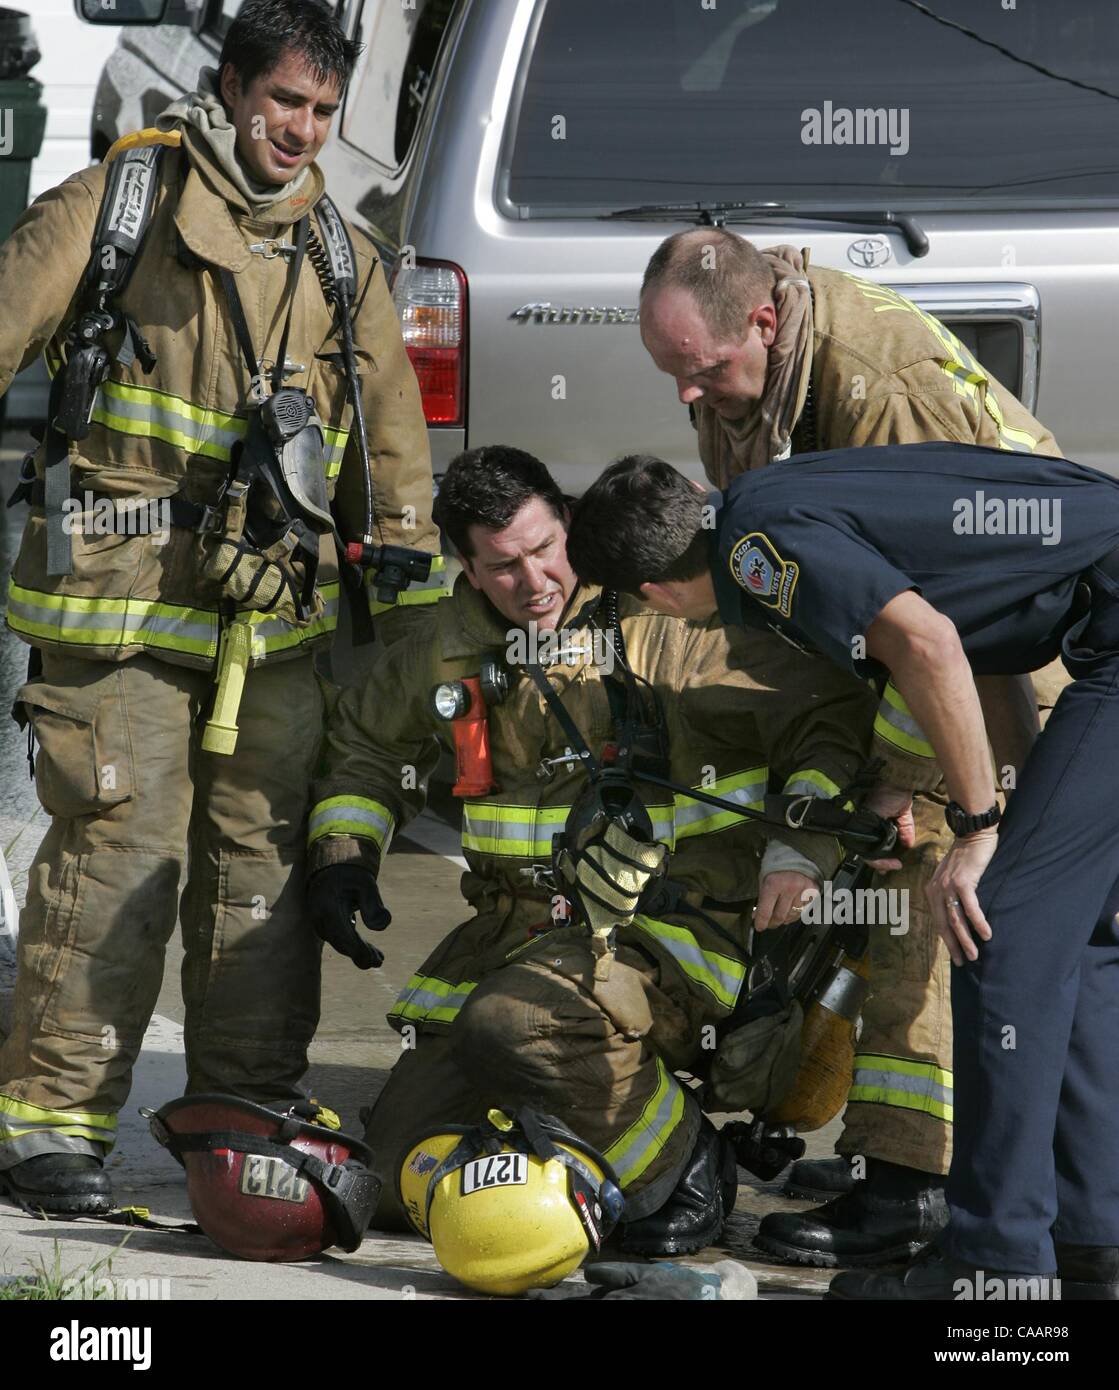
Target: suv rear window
[853,104]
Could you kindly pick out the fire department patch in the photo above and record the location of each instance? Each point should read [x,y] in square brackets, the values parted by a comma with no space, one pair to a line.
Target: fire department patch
[757,568]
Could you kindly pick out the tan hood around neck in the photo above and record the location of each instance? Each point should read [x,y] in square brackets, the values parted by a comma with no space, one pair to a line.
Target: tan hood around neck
[731,447]
[211,144]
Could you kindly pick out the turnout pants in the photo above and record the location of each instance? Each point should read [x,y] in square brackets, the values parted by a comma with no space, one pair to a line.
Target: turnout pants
[132,796]
[1036,1017]
[529,1035]
[899,1107]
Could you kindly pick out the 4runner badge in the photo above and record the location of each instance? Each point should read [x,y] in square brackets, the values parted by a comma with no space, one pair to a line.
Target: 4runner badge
[758,569]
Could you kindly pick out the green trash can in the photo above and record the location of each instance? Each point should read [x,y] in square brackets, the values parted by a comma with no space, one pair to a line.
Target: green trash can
[23,119]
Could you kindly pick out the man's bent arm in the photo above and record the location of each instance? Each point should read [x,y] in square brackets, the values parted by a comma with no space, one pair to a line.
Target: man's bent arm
[922,650]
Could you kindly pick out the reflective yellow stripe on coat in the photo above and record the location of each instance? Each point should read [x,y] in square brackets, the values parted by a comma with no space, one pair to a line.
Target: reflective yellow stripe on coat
[149,623]
[144,413]
[900,1082]
[433,588]
[966,375]
[426,999]
[720,975]
[352,815]
[895,724]
[21,1123]
[630,1155]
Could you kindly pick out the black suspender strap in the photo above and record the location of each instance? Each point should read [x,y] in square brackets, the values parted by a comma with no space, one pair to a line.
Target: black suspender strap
[563,718]
[241,327]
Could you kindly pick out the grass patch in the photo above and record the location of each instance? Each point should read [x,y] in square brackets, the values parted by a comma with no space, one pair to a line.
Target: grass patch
[43,1283]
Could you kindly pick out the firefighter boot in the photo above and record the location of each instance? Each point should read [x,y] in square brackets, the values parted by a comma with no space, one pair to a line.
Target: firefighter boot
[819,1179]
[696,1212]
[59,1182]
[888,1217]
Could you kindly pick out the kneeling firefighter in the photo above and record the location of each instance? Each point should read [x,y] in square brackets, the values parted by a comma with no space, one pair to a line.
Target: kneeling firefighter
[226,366]
[529,676]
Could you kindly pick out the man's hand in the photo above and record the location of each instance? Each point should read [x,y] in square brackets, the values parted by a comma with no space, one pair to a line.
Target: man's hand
[951,894]
[782,897]
[334,895]
[892,803]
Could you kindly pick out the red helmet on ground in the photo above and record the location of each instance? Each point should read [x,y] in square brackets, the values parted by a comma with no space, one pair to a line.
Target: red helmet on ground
[267,1185]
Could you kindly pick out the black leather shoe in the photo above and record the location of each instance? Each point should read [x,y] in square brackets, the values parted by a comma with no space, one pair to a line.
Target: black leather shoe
[696,1212]
[861,1227]
[819,1179]
[60,1183]
[1088,1272]
[934,1277]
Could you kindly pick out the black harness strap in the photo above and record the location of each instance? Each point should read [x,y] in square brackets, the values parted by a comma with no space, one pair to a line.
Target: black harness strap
[563,718]
[240,323]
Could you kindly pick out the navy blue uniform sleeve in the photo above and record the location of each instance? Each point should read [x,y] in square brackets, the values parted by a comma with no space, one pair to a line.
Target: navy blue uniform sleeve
[817,582]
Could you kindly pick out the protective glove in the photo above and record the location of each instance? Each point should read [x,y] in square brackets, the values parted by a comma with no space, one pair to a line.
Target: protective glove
[725,1281]
[334,895]
[608,875]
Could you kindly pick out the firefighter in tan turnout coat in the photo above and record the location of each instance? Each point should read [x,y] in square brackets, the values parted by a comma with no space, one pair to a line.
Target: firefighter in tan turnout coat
[773,356]
[506,1011]
[127,630]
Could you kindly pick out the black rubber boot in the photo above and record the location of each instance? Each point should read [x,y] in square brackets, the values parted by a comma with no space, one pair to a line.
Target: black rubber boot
[819,1179]
[74,1183]
[884,1219]
[695,1214]
[1088,1271]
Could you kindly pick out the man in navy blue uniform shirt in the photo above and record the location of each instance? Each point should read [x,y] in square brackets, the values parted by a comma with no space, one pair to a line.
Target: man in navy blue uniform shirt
[933,563]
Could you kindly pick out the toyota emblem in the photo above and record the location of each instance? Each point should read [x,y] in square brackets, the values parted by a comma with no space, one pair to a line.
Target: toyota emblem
[868,252]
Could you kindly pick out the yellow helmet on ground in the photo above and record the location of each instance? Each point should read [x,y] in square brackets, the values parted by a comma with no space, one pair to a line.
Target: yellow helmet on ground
[510,1204]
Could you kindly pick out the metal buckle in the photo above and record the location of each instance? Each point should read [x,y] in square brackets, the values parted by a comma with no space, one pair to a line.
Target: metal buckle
[209,520]
[545,769]
[272,247]
[542,876]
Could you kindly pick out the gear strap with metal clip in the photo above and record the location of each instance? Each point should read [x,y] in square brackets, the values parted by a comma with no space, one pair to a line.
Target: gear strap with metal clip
[860,832]
[122,222]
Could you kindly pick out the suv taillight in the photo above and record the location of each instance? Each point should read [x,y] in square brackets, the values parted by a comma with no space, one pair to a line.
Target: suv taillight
[430,299]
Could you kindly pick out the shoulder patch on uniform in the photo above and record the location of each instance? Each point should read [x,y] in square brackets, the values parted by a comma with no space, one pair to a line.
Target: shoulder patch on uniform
[757,568]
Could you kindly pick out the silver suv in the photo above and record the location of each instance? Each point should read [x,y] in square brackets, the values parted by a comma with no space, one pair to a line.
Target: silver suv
[517,162]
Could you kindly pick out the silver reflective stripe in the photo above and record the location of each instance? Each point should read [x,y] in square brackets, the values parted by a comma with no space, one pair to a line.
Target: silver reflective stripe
[923,1086]
[689,814]
[911,736]
[269,628]
[111,402]
[713,972]
[650,1134]
[428,1000]
[351,815]
[109,620]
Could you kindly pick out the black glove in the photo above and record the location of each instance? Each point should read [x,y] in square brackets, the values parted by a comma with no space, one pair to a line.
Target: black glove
[334,895]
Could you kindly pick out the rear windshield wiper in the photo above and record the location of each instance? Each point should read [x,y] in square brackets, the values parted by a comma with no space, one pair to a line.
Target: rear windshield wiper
[719,214]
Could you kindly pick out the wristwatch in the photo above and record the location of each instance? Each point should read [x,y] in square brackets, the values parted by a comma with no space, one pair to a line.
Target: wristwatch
[960,823]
